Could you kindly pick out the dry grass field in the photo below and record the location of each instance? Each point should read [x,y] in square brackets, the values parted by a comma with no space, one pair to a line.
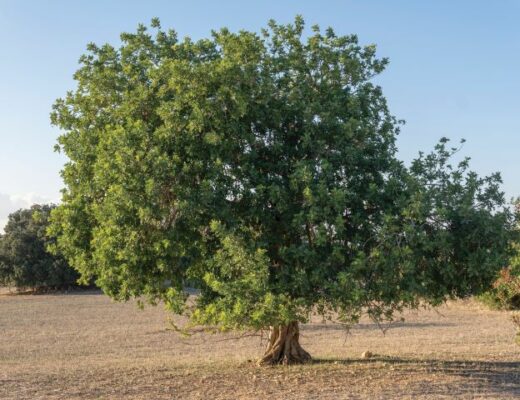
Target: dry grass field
[83,346]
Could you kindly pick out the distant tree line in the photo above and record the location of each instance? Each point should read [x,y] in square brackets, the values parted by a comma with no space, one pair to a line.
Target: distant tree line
[25,262]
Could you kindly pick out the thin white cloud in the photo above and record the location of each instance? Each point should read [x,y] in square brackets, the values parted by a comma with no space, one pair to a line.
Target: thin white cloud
[12,202]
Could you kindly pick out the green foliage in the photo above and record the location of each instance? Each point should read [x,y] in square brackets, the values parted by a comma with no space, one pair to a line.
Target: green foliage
[263,168]
[505,292]
[24,260]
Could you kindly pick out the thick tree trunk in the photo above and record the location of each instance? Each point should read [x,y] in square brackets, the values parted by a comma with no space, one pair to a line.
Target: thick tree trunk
[284,346]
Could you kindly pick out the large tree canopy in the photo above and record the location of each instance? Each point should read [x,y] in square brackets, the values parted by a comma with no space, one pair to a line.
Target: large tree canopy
[262,169]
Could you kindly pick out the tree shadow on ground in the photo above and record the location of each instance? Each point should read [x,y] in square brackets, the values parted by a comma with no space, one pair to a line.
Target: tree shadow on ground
[481,377]
[374,327]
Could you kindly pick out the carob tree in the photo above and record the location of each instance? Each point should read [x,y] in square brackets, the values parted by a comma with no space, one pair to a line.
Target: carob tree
[262,170]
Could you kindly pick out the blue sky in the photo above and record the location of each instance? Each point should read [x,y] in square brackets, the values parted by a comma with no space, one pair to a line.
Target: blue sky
[453,71]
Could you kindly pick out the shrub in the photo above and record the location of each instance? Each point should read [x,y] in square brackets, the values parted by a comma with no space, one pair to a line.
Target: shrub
[505,293]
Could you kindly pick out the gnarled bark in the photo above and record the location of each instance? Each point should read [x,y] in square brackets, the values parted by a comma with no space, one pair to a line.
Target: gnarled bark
[284,346]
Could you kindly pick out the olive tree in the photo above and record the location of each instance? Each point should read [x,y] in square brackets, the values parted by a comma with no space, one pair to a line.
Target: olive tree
[262,169]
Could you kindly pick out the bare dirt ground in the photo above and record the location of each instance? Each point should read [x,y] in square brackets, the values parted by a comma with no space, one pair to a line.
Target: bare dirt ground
[83,346]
